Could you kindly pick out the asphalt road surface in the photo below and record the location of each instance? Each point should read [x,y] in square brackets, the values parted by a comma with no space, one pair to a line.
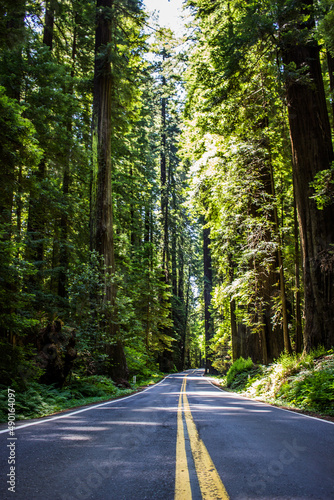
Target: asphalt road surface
[181,439]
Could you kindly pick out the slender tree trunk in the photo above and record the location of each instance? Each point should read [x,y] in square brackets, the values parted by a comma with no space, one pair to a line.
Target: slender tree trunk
[269,341]
[330,63]
[133,223]
[148,260]
[173,237]
[15,35]
[49,23]
[234,331]
[37,201]
[208,320]
[166,358]
[163,180]
[312,152]
[298,314]
[14,24]
[19,206]
[273,334]
[147,228]
[236,347]
[180,291]
[263,336]
[64,221]
[184,343]
[10,182]
[102,208]
[286,336]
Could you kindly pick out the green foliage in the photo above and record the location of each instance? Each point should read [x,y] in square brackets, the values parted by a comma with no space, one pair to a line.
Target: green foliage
[313,391]
[305,381]
[288,364]
[86,289]
[323,186]
[18,144]
[17,366]
[239,366]
[41,400]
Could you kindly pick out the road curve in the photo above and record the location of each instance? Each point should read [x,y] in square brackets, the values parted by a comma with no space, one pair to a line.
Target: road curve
[182,439]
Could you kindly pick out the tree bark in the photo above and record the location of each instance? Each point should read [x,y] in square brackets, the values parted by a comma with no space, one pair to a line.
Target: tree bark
[286,337]
[330,64]
[163,179]
[64,221]
[312,152]
[102,238]
[298,315]
[234,332]
[10,181]
[49,23]
[37,201]
[208,320]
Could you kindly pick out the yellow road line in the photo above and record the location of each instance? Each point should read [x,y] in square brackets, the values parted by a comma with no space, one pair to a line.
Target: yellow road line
[182,481]
[209,481]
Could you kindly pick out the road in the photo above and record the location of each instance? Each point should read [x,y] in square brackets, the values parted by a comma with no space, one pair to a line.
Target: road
[181,439]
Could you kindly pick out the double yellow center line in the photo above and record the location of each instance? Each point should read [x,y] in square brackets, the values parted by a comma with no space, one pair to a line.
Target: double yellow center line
[209,481]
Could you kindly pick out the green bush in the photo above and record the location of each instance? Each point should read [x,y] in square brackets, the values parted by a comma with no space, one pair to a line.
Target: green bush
[41,400]
[93,386]
[301,381]
[239,366]
[313,392]
[292,363]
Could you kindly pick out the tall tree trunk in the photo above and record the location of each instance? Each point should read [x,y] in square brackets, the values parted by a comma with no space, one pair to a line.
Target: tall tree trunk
[64,220]
[180,290]
[166,358]
[49,23]
[330,63]
[312,152]
[102,209]
[298,315]
[208,320]
[269,337]
[277,338]
[163,179]
[15,28]
[173,235]
[10,181]
[184,336]
[14,25]
[37,201]
[234,332]
[286,337]
[236,341]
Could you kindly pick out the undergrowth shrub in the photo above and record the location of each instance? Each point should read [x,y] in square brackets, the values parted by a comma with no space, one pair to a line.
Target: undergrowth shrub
[40,400]
[301,381]
[239,366]
[290,364]
[315,391]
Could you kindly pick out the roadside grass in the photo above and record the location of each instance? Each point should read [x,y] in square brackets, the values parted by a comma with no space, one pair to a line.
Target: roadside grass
[304,382]
[39,400]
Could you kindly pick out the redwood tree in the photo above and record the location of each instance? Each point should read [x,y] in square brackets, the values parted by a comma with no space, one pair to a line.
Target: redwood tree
[208,319]
[102,239]
[312,152]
